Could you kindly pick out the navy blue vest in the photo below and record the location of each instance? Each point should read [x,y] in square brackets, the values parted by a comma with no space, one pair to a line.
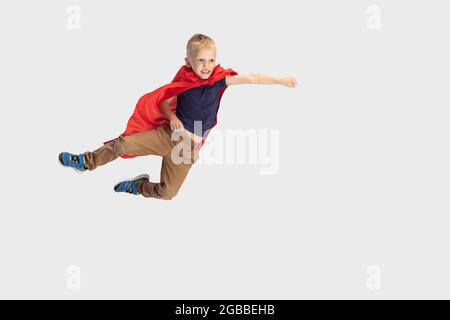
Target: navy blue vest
[199,104]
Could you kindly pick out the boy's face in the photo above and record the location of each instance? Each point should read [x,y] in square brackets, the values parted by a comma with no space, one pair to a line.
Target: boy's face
[203,60]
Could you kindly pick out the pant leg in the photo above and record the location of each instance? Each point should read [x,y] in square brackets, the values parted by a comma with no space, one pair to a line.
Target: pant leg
[151,142]
[173,171]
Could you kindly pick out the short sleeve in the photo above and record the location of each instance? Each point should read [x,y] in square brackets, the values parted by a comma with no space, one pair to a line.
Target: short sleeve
[221,83]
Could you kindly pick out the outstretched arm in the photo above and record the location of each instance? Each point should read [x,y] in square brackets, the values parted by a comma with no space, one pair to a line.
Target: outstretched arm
[260,79]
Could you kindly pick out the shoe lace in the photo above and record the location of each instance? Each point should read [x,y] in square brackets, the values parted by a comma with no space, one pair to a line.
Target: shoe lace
[75,158]
[129,188]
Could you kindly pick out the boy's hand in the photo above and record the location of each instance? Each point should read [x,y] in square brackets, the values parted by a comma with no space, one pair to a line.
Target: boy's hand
[176,124]
[288,82]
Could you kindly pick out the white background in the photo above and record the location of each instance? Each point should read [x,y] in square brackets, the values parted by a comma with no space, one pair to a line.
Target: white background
[364,157]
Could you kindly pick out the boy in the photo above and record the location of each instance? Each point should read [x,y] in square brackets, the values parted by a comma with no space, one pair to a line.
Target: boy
[172,121]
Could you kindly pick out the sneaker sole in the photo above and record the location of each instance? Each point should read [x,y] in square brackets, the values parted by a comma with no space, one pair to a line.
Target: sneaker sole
[132,179]
[76,170]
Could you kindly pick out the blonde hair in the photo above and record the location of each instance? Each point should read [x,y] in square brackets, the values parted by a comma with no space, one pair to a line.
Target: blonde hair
[198,41]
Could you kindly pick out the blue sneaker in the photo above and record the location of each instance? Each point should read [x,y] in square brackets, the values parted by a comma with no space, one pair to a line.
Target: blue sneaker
[132,185]
[76,161]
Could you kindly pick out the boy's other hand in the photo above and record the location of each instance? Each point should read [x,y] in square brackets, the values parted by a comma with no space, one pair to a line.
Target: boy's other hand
[176,124]
[289,82]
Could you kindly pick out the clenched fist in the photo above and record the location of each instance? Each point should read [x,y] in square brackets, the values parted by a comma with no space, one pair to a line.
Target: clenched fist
[176,124]
[288,82]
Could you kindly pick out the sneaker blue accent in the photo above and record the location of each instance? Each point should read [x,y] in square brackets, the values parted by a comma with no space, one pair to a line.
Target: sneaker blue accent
[131,186]
[76,161]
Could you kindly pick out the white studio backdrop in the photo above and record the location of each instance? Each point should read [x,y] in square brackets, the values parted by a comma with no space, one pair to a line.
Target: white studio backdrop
[356,205]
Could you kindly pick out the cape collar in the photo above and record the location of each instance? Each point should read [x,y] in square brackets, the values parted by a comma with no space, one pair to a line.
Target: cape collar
[190,76]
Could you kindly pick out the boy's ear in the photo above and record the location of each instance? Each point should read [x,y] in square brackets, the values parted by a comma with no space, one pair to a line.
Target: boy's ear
[187,62]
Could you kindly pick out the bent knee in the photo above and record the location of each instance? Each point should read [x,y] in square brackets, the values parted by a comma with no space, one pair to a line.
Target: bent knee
[118,146]
[123,146]
[167,193]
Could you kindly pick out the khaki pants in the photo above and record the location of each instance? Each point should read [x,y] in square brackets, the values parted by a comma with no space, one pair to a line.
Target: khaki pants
[179,153]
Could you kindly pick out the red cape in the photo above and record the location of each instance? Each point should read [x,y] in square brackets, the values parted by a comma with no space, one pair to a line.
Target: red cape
[147,114]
